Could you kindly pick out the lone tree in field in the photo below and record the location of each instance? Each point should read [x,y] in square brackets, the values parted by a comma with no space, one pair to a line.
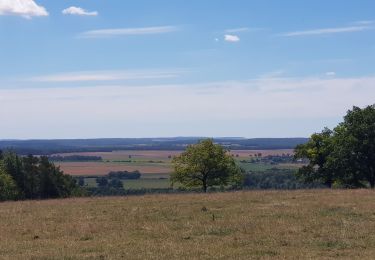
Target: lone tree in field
[205,164]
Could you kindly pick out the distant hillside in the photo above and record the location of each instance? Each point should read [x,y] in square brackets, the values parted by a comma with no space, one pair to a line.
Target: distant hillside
[113,144]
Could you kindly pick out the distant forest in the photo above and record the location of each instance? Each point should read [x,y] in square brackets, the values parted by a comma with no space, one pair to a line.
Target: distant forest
[47,147]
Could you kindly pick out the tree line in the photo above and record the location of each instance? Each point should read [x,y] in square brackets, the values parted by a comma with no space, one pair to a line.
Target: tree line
[31,177]
[74,158]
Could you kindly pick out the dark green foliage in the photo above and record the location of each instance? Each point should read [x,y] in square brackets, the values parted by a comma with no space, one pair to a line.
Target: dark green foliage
[116,183]
[276,179]
[81,181]
[344,156]
[102,181]
[317,150]
[36,178]
[8,188]
[125,175]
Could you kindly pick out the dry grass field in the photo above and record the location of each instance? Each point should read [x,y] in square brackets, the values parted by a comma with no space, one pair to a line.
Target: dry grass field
[320,224]
[103,168]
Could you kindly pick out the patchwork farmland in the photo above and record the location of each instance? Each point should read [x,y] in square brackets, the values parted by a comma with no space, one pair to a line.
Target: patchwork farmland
[146,162]
[154,166]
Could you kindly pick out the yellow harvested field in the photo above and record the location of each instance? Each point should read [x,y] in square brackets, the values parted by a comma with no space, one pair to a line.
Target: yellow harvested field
[100,168]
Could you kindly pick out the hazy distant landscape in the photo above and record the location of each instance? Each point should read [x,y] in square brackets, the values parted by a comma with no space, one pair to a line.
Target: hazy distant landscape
[152,157]
[46,147]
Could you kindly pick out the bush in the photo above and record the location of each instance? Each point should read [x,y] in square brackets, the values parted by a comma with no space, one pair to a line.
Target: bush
[124,175]
[8,188]
[276,179]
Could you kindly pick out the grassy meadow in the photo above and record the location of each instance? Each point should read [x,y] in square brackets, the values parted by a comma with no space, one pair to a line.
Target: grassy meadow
[320,224]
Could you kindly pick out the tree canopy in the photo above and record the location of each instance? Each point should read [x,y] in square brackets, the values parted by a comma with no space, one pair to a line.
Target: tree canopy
[346,155]
[33,177]
[205,164]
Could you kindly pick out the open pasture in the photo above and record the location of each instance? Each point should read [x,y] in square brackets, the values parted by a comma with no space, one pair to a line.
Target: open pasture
[304,224]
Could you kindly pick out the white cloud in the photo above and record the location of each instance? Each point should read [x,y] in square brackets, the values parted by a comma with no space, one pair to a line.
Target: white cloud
[91,76]
[328,31]
[273,74]
[231,38]
[73,10]
[330,74]
[25,8]
[128,31]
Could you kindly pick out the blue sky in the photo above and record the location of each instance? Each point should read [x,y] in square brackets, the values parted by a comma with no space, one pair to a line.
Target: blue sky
[83,69]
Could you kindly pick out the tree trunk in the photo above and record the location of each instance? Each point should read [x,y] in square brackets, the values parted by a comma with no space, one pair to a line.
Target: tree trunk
[372,183]
[372,178]
[204,185]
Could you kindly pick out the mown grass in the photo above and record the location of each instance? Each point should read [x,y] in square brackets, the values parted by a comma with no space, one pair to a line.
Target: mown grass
[319,224]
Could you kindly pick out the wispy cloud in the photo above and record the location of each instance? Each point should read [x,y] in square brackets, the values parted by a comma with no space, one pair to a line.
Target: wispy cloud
[273,74]
[24,8]
[231,38]
[243,29]
[323,31]
[128,31]
[92,76]
[124,104]
[236,30]
[73,10]
[283,105]
[330,74]
[364,22]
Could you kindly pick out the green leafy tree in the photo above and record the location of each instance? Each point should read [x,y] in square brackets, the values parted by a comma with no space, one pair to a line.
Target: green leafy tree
[205,164]
[37,178]
[116,183]
[12,165]
[32,178]
[8,188]
[345,155]
[317,151]
[353,155]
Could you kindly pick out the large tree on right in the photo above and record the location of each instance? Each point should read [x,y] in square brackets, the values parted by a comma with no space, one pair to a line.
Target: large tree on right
[349,152]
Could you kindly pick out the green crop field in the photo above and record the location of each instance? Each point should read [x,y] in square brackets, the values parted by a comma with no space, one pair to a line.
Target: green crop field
[304,224]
